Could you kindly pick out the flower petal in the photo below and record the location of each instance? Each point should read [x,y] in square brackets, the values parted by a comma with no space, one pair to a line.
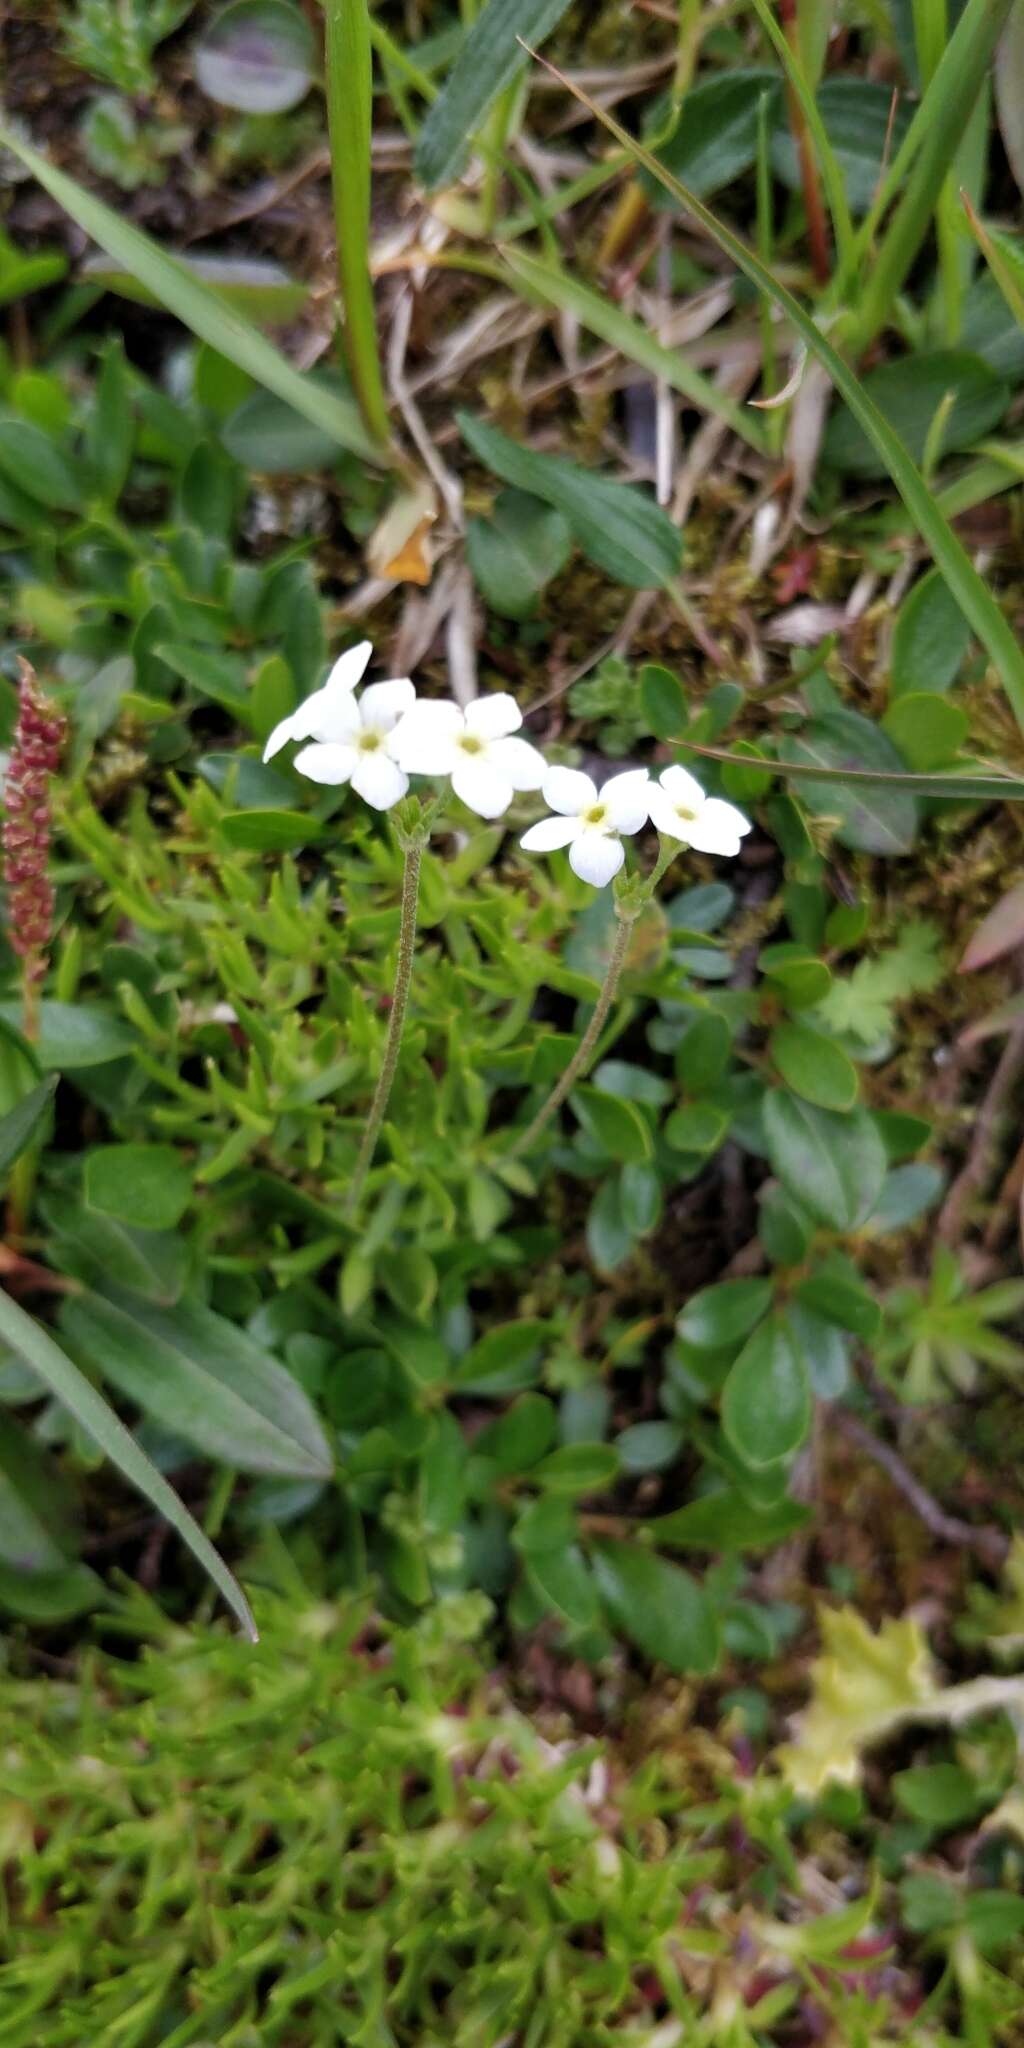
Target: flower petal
[549,834]
[595,857]
[627,797]
[683,788]
[568,790]
[424,743]
[331,763]
[665,817]
[480,783]
[491,718]
[383,704]
[719,828]
[524,765]
[283,731]
[349,667]
[378,781]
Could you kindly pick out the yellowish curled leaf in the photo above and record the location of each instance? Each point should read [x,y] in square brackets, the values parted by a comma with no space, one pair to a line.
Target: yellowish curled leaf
[862,1687]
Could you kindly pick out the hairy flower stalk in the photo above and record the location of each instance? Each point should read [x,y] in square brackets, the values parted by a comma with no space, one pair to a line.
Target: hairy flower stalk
[584,1052]
[35,754]
[412,838]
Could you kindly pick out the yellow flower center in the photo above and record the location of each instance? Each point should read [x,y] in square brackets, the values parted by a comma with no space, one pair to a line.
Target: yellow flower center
[682,812]
[470,744]
[596,814]
[369,742]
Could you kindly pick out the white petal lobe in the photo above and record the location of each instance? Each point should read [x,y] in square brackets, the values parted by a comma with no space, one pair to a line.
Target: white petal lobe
[424,742]
[481,785]
[331,764]
[383,704]
[378,780]
[524,765]
[627,797]
[683,788]
[595,857]
[492,718]
[549,834]
[349,667]
[569,791]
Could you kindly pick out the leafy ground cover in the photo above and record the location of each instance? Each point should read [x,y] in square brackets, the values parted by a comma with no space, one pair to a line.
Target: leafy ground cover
[596,1289]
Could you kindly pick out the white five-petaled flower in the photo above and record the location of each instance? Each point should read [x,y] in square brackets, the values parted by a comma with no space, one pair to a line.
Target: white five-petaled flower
[316,717]
[590,822]
[680,809]
[475,747]
[361,746]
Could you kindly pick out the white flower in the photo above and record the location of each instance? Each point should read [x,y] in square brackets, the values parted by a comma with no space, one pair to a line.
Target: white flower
[474,747]
[316,718]
[680,809]
[590,824]
[361,746]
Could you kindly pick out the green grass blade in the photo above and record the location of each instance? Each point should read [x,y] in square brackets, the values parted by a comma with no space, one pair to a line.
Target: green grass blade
[197,306]
[492,55]
[939,125]
[828,164]
[600,316]
[1003,259]
[79,1396]
[958,787]
[974,598]
[349,81]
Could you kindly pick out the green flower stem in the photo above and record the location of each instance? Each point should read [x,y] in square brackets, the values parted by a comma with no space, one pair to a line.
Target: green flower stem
[583,1054]
[413,848]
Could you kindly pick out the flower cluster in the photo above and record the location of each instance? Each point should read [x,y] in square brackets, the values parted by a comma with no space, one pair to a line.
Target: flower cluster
[377,741]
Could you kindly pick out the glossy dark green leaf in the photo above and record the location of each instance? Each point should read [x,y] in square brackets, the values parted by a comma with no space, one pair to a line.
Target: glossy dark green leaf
[505,1359]
[202,1378]
[726,1521]
[32,461]
[715,137]
[565,1583]
[618,525]
[148,1186]
[517,551]
[882,820]
[834,1166]
[616,1125]
[266,434]
[930,638]
[814,1066]
[19,1126]
[270,831]
[664,705]
[578,1468]
[723,1315]
[928,730]
[863,126]
[75,1035]
[70,1386]
[909,391]
[658,1606]
[766,1400]
[37,1520]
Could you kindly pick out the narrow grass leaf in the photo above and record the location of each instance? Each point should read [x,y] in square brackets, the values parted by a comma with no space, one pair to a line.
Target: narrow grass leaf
[70,1386]
[601,316]
[975,599]
[195,304]
[490,58]
[205,1379]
